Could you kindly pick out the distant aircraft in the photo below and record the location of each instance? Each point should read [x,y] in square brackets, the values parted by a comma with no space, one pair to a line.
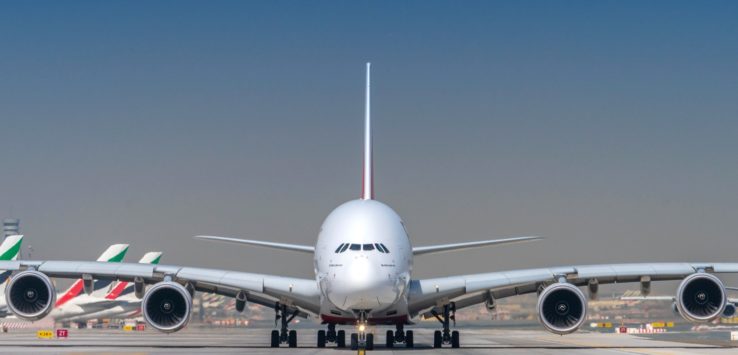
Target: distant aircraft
[9,250]
[363,262]
[74,302]
[120,301]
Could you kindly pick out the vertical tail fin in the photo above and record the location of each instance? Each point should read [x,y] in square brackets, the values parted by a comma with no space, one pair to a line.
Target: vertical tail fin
[367,192]
[124,287]
[151,257]
[113,254]
[10,248]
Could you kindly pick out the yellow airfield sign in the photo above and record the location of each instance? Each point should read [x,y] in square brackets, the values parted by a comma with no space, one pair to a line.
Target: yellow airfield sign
[45,334]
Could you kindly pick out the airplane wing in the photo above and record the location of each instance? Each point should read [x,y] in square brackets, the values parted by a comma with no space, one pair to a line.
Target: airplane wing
[433,249]
[665,298]
[467,290]
[267,290]
[259,243]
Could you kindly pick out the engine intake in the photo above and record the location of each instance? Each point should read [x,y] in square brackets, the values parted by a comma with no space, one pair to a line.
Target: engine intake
[167,306]
[30,295]
[701,297]
[562,308]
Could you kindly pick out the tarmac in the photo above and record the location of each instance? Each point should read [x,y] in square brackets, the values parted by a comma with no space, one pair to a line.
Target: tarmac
[194,340]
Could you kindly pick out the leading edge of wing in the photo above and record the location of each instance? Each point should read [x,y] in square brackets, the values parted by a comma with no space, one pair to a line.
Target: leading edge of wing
[259,243]
[431,249]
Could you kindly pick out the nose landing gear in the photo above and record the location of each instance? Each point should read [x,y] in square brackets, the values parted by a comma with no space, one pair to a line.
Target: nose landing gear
[446,336]
[362,339]
[284,335]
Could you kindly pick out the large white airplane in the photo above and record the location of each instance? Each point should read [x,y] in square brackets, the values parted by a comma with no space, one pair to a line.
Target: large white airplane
[363,263]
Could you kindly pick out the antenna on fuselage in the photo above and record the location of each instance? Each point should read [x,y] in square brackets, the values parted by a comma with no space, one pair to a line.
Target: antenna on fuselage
[367,191]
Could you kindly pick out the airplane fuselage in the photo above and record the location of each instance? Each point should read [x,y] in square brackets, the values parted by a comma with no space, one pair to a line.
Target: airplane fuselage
[363,261]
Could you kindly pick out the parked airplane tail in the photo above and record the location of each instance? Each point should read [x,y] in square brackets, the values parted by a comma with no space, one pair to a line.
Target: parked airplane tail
[114,254]
[123,287]
[10,248]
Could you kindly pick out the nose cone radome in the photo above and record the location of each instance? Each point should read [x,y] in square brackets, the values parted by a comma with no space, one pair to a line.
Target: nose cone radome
[364,286]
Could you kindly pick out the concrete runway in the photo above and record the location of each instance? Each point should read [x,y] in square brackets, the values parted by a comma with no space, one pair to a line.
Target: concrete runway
[255,341]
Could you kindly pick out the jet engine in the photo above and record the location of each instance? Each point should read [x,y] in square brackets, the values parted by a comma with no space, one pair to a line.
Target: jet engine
[167,306]
[562,308]
[701,297]
[30,295]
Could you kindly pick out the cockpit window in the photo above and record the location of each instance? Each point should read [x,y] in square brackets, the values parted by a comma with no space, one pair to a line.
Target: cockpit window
[365,247]
[384,247]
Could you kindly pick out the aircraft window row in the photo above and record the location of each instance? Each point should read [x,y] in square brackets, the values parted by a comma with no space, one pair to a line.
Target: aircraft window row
[365,247]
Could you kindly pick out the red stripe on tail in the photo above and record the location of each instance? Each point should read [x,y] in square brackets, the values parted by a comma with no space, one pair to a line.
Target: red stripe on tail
[71,293]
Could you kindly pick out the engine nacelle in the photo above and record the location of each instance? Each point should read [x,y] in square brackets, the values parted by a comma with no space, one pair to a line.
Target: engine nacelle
[701,297]
[30,295]
[562,308]
[729,311]
[167,306]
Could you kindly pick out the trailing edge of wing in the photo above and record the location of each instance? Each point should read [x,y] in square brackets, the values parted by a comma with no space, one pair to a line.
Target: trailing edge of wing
[259,243]
[431,249]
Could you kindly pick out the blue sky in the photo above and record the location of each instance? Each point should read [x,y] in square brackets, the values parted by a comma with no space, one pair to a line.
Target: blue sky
[599,125]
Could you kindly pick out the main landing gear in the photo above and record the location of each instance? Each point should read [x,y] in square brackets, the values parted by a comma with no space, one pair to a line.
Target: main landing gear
[446,336]
[283,336]
[400,336]
[332,336]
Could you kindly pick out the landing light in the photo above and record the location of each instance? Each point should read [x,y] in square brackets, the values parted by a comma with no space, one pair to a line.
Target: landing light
[362,328]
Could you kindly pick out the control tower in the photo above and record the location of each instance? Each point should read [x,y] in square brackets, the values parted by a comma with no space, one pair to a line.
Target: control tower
[11,226]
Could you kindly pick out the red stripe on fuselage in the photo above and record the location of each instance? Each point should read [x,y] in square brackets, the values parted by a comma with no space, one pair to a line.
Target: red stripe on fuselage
[71,293]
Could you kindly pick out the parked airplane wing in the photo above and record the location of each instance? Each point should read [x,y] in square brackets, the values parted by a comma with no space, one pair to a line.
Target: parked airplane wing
[302,293]
[259,243]
[432,249]
[477,288]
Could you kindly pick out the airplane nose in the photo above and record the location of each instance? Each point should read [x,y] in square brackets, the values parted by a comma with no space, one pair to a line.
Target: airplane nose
[363,285]
[361,275]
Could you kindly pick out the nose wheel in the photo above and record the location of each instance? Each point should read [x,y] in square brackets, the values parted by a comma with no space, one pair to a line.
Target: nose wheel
[362,340]
[446,336]
[283,335]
